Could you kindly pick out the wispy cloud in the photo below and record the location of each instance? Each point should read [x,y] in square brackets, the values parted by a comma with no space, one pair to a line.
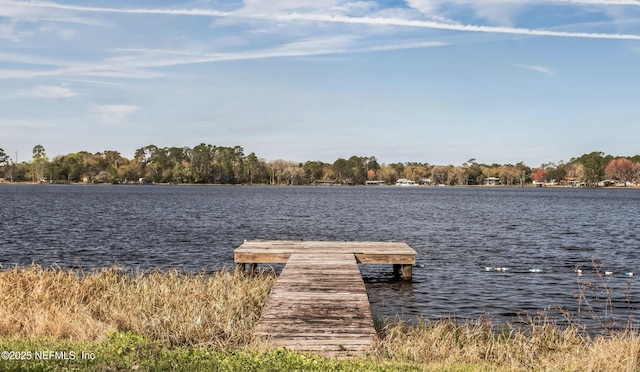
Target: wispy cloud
[64,33]
[32,60]
[453,27]
[432,5]
[337,18]
[49,91]
[536,68]
[594,2]
[135,63]
[41,11]
[112,114]
[143,63]
[9,31]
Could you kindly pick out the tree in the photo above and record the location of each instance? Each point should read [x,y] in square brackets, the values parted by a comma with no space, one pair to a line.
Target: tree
[252,165]
[398,167]
[620,169]
[4,158]
[39,164]
[523,171]
[415,172]
[340,167]
[201,163]
[387,174]
[113,160]
[509,175]
[539,175]
[357,169]
[372,163]
[458,176]
[5,161]
[314,170]
[473,171]
[593,166]
[38,151]
[440,174]
[286,173]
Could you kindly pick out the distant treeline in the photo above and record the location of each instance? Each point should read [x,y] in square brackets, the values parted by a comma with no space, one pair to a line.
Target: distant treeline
[229,165]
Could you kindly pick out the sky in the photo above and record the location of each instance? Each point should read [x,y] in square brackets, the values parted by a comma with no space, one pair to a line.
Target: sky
[432,81]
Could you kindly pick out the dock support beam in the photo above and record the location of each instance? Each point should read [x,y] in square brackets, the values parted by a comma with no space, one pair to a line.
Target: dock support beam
[403,271]
[252,267]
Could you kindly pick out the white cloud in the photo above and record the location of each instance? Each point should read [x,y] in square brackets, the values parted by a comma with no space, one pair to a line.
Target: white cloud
[9,31]
[50,91]
[595,2]
[145,58]
[536,68]
[34,11]
[502,12]
[112,114]
[408,45]
[321,17]
[454,27]
[31,60]
[62,32]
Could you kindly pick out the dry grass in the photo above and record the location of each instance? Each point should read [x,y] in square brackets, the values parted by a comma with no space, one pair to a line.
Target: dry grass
[217,310]
[540,344]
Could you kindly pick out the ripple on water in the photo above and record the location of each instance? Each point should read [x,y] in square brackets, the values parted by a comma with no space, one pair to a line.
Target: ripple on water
[456,231]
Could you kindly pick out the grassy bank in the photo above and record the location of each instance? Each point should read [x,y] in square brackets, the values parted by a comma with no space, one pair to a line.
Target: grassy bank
[218,311]
[116,320]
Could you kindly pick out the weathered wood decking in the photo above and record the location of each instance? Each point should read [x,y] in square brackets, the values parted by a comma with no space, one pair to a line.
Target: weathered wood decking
[278,251]
[319,302]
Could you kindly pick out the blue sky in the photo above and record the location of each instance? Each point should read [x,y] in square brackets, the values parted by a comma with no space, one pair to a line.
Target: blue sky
[419,80]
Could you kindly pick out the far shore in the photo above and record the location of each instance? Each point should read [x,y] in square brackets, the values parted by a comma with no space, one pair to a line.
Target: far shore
[311,185]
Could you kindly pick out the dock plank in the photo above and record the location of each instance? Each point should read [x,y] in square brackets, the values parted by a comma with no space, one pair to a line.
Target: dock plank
[319,304]
[276,251]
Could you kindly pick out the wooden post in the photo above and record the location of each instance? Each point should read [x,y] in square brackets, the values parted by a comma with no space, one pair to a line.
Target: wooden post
[253,268]
[407,272]
[240,266]
[396,270]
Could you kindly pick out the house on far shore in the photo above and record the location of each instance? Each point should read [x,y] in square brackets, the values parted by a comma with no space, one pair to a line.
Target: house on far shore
[572,182]
[374,183]
[325,183]
[492,181]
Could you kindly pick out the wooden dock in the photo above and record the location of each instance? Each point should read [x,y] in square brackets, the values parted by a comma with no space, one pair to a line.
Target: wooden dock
[398,254]
[320,303]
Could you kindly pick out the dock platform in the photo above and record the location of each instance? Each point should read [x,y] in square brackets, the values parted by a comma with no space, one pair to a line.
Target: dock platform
[319,303]
[398,254]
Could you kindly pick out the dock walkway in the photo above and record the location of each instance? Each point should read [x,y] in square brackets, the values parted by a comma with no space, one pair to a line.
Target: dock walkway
[319,303]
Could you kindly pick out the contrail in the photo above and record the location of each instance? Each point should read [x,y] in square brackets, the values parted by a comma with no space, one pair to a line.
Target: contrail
[362,20]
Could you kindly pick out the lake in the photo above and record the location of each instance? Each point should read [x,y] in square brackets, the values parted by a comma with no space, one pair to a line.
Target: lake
[458,233]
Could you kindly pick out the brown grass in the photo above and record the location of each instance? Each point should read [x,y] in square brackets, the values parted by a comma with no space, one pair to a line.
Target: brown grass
[220,310]
[540,344]
[217,310]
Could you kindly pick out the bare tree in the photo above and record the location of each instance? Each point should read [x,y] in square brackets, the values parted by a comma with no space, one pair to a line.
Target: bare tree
[620,169]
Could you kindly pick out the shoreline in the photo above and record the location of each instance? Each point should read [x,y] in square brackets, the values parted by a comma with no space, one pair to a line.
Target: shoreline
[529,186]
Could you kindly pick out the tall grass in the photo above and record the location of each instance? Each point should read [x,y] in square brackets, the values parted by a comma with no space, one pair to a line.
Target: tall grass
[200,311]
[538,344]
[217,310]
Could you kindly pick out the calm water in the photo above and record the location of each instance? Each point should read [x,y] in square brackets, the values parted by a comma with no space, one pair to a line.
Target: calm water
[457,232]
